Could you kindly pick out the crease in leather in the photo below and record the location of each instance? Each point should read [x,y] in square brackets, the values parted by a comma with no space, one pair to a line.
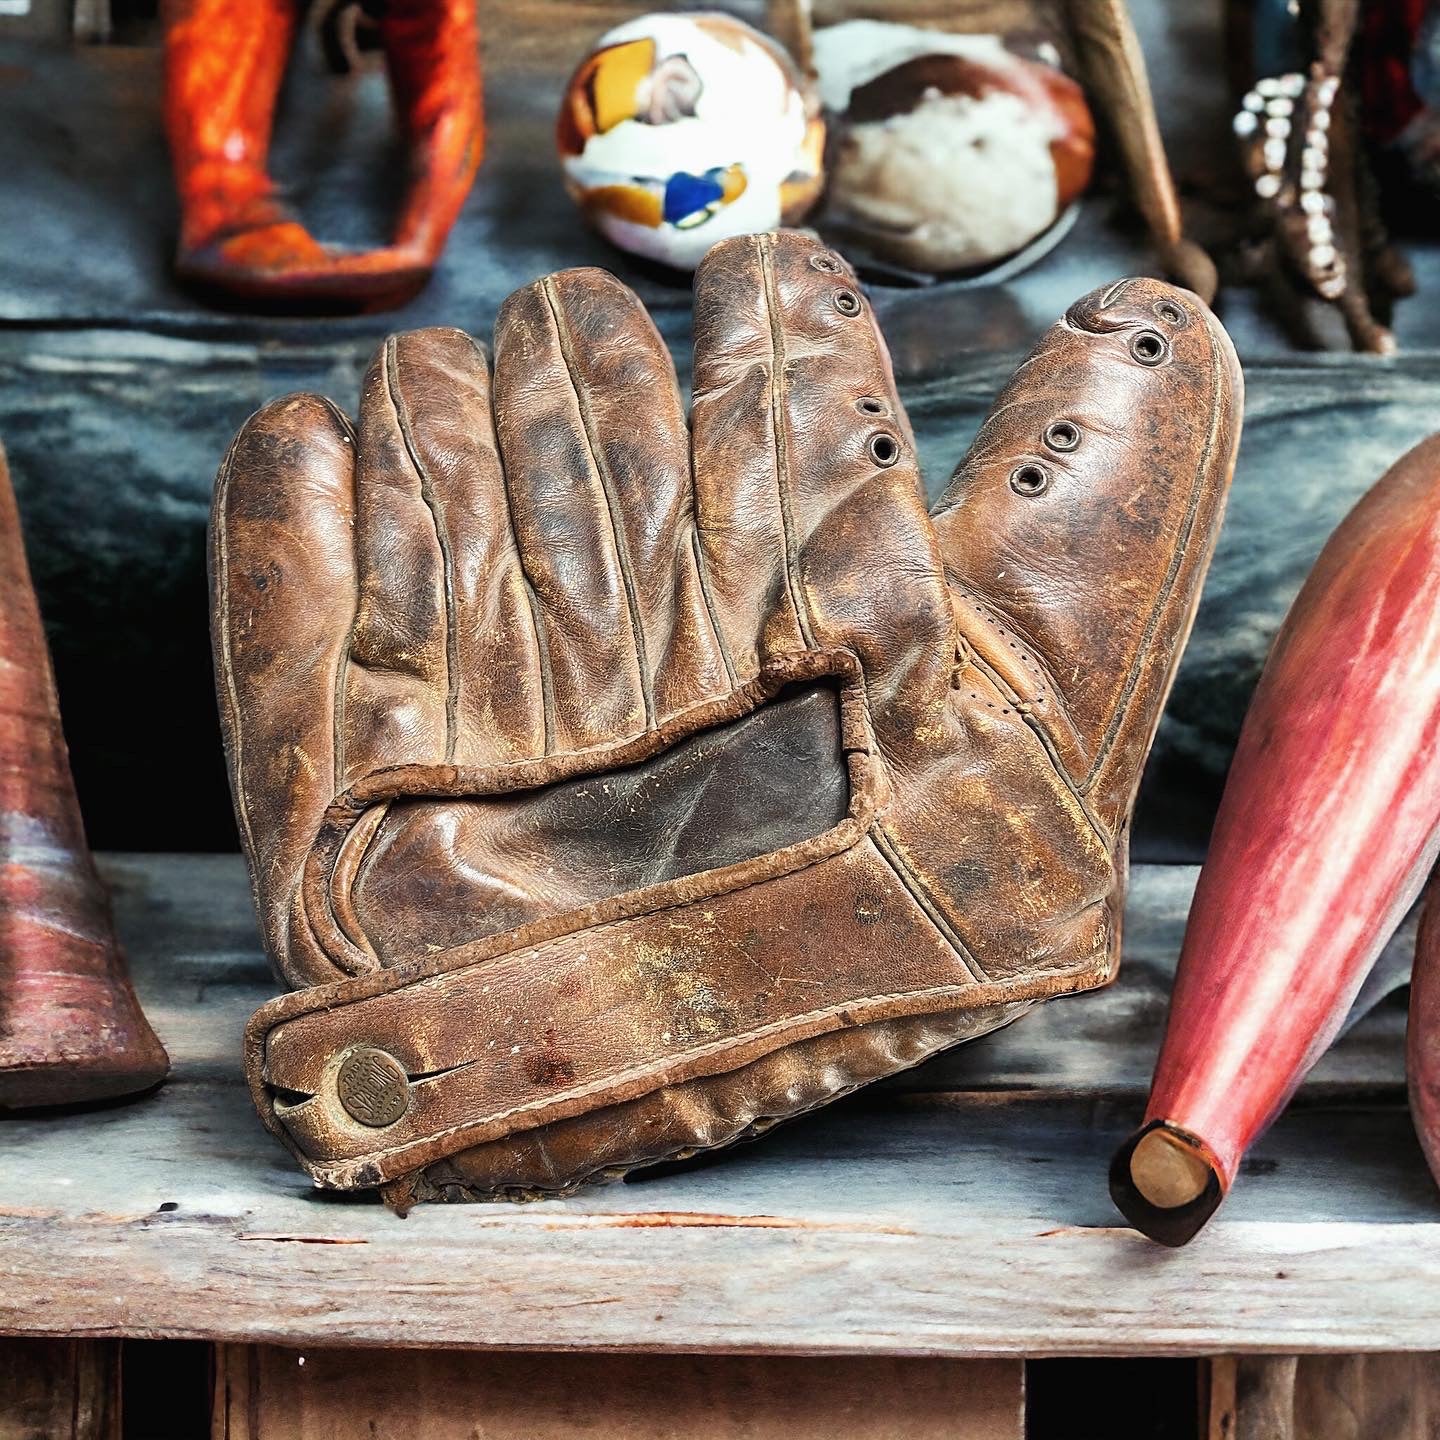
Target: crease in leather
[317,891]
[601,471]
[702,573]
[800,1079]
[984,634]
[349,866]
[986,666]
[780,433]
[919,892]
[537,618]
[442,539]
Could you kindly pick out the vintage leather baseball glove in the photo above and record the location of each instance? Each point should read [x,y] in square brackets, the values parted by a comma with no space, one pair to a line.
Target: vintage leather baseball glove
[613,788]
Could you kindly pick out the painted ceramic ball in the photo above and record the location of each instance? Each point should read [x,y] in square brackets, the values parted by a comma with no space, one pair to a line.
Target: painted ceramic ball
[679,130]
[953,151]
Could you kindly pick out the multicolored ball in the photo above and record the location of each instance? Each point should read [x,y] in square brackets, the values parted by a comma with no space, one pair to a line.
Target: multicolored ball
[679,130]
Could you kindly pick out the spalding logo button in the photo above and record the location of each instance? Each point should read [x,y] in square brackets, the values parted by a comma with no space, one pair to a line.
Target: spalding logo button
[373,1087]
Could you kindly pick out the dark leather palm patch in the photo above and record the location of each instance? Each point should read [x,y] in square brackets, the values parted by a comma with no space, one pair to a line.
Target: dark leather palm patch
[433,878]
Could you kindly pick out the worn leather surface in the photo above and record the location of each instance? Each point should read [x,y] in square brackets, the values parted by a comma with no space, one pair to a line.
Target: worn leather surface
[632,786]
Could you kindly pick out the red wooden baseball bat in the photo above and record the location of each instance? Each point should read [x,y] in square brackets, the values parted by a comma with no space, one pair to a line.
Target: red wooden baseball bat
[1423,1036]
[1327,829]
[71,1028]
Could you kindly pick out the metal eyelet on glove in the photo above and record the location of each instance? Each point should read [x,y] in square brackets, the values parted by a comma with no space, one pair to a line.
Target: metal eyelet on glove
[1063,436]
[828,263]
[871,405]
[884,449]
[1170,312]
[1149,347]
[847,302]
[1029,479]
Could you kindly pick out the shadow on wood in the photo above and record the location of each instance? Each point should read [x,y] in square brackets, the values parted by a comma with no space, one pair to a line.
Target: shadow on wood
[1324,1397]
[266,1393]
[53,1388]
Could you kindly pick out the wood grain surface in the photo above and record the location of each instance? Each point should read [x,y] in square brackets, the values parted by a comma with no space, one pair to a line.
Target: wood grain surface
[263,1392]
[962,1218]
[1324,1397]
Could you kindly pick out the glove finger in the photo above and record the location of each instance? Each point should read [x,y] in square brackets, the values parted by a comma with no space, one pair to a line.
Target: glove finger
[807,487]
[282,570]
[403,686]
[449,665]
[597,462]
[1080,524]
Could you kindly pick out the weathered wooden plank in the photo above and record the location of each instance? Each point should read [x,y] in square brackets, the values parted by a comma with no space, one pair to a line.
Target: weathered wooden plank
[1217,1397]
[925,1223]
[59,1388]
[266,1393]
[896,1254]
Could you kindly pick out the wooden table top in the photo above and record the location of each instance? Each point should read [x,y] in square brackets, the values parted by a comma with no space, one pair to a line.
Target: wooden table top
[958,1210]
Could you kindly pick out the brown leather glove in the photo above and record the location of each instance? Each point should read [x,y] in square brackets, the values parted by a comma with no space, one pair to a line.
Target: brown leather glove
[613,790]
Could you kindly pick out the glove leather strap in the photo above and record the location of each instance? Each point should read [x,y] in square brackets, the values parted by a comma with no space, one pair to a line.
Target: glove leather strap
[691,978]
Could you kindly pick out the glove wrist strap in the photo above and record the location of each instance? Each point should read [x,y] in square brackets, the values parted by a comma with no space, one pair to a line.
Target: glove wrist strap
[372,1077]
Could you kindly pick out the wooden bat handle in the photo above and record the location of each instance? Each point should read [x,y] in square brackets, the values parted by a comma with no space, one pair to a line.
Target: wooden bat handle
[1166,1182]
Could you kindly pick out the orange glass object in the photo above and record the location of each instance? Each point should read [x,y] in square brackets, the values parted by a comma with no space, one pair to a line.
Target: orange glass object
[224,64]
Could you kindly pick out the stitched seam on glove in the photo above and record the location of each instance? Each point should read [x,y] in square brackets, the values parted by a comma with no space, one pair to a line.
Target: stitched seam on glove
[780,433]
[1144,650]
[442,539]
